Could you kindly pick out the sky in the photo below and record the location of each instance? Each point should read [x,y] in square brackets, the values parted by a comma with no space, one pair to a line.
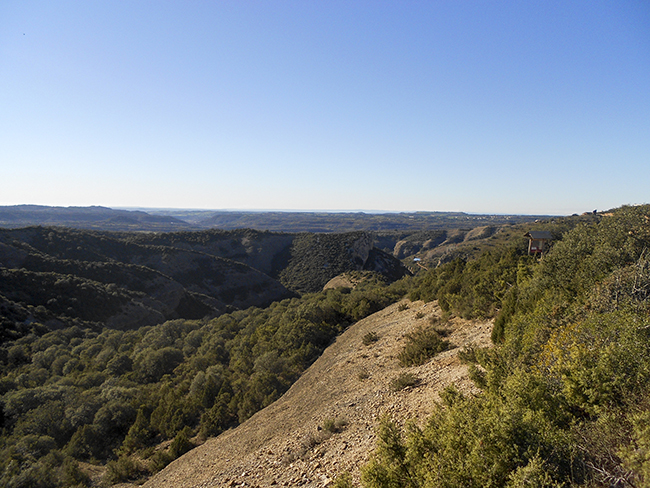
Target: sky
[510,107]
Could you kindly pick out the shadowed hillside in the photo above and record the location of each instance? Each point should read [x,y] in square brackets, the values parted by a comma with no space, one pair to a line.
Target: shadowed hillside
[302,262]
[104,279]
[60,277]
[317,258]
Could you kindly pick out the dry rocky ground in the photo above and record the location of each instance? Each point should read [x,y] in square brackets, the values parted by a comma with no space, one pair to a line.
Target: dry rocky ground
[286,444]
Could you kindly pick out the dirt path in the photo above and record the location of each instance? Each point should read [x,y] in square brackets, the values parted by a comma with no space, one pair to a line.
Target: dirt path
[285,444]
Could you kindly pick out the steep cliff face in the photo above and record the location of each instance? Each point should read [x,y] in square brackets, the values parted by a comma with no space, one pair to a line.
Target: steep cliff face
[418,242]
[359,249]
[317,258]
[230,282]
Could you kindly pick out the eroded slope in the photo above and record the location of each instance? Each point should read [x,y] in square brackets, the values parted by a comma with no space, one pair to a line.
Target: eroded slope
[285,444]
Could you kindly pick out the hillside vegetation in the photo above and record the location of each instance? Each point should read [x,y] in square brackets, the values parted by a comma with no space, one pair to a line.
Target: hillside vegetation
[115,342]
[77,395]
[562,396]
[57,277]
[52,278]
[324,426]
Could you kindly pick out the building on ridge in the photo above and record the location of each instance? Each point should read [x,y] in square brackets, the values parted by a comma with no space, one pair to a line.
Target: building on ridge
[537,240]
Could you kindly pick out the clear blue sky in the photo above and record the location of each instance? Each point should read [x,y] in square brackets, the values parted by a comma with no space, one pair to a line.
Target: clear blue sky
[537,107]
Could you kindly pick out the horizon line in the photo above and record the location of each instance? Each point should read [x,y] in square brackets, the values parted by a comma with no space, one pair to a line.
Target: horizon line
[284,210]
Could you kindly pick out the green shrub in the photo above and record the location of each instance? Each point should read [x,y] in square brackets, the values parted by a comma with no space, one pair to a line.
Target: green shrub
[467,355]
[343,480]
[159,460]
[475,288]
[334,426]
[123,470]
[370,338]
[181,443]
[404,380]
[421,345]
[636,455]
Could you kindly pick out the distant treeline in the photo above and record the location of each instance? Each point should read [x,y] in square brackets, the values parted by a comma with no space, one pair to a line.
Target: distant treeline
[346,222]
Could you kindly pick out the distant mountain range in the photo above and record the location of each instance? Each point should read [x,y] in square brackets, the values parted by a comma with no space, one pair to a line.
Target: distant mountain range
[169,220]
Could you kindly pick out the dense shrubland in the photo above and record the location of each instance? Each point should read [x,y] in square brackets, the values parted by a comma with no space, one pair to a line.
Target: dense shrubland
[564,399]
[564,393]
[81,395]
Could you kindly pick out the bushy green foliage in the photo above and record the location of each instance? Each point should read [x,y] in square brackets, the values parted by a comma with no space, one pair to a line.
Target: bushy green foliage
[476,288]
[110,396]
[565,390]
[404,380]
[470,442]
[636,454]
[124,469]
[343,480]
[421,345]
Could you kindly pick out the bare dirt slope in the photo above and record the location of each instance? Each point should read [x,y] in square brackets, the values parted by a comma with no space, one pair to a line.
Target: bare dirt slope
[285,444]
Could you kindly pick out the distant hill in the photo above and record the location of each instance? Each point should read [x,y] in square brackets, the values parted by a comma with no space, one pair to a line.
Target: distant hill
[169,220]
[274,243]
[430,237]
[100,218]
[346,221]
[54,277]
[302,262]
[61,277]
